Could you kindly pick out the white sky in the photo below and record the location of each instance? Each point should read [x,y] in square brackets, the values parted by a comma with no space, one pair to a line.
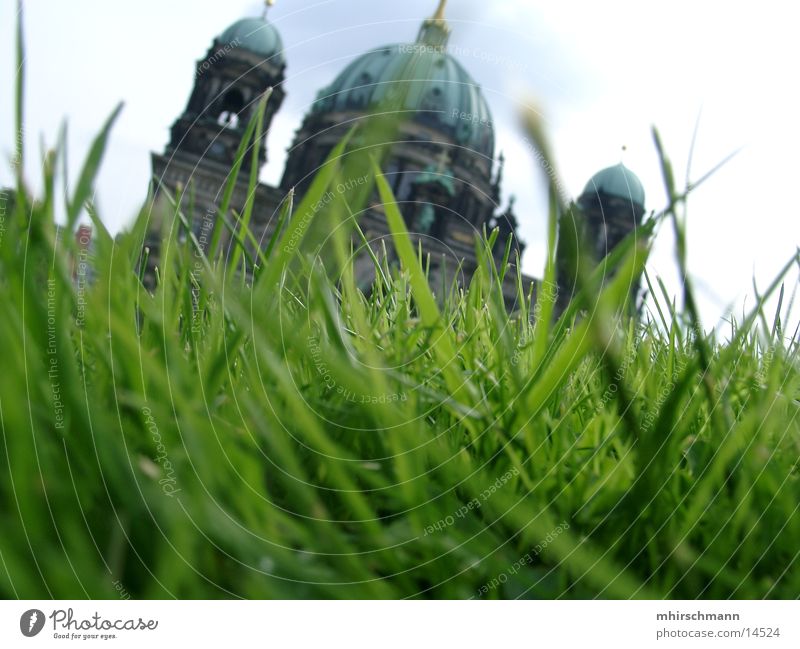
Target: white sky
[601,74]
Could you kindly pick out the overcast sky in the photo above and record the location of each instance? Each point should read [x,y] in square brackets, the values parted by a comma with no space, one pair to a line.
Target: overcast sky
[600,73]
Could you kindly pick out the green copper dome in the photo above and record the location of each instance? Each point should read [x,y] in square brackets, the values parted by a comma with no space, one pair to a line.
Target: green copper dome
[617,181]
[437,89]
[256,35]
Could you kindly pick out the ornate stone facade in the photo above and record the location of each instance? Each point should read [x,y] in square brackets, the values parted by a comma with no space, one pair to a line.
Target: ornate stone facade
[440,163]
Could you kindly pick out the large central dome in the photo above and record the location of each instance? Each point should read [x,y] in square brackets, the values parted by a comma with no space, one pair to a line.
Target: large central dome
[436,87]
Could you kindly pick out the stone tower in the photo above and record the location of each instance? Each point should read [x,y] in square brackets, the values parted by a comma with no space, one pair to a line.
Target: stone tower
[610,208]
[243,62]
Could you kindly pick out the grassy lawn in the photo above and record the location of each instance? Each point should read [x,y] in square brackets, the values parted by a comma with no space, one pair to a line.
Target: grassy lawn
[280,432]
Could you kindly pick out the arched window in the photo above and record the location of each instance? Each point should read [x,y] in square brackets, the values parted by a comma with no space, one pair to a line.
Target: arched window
[432,105]
[360,94]
[231,105]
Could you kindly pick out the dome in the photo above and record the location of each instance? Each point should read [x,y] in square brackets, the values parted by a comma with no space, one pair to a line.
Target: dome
[617,181]
[438,89]
[255,35]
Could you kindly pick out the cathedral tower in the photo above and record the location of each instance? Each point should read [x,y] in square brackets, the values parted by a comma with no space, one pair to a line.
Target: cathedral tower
[610,208]
[243,62]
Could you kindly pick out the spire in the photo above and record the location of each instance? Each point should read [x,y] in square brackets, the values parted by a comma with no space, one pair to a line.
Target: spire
[435,31]
[501,163]
[509,216]
[439,15]
[267,5]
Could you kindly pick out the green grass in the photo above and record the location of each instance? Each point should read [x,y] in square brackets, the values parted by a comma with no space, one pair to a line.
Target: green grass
[281,434]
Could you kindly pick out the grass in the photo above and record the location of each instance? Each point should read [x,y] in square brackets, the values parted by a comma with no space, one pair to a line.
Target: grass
[279,433]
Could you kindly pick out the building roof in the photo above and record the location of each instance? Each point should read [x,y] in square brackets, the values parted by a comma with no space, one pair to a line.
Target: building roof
[429,81]
[437,89]
[617,181]
[256,35]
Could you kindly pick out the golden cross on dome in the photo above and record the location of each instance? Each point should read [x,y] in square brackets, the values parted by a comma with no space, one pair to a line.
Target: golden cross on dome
[443,159]
[267,5]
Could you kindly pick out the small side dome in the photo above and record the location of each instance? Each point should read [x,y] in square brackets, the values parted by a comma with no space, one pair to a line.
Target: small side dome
[617,181]
[256,35]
